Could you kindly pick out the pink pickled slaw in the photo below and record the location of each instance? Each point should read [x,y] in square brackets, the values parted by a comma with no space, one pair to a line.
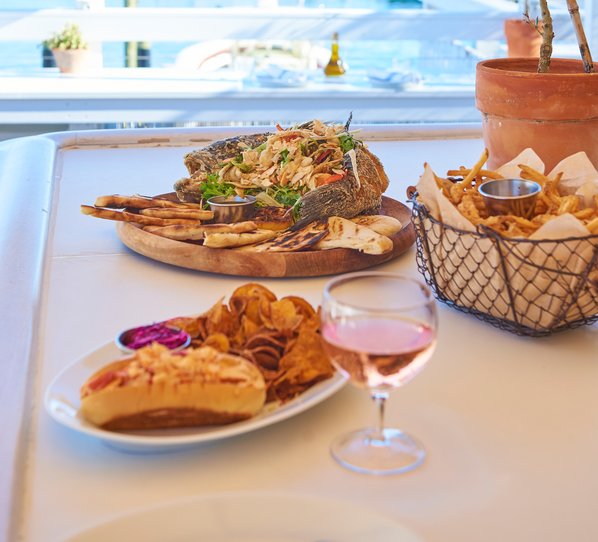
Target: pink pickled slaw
[142,336]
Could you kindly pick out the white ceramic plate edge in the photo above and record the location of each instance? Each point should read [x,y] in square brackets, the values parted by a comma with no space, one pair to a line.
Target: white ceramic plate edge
[249,516]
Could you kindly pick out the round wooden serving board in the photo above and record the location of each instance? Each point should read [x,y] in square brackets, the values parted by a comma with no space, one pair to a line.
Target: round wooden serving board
[309,263]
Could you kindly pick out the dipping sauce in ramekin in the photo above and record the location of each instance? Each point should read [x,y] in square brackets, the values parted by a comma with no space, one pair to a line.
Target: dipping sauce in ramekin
[172,337]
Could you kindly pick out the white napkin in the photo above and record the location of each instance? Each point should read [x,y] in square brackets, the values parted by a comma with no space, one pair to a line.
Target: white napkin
[273,74]
[394,78]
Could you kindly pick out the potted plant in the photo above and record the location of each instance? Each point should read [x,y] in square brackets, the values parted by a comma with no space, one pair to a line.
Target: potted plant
[545,103]
[522,36]
[70,50]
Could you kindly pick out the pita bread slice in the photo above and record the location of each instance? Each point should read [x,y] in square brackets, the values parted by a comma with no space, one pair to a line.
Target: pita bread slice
[294,241]
[197,232]
[382,224]
[343,233]
[230,240]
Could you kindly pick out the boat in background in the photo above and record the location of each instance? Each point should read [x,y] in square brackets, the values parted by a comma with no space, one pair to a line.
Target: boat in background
[251,55]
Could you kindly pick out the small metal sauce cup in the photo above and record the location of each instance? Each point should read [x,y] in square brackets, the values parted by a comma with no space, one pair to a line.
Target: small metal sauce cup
[510,196]
[123,339]
[232,209]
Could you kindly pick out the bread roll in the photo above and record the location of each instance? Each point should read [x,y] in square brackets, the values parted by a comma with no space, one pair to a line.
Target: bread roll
[157,388]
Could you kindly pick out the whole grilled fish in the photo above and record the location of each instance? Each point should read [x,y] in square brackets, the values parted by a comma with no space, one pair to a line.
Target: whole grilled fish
[359,192]
[206,160]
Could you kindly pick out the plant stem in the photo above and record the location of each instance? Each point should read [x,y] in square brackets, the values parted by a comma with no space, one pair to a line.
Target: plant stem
[547,37]
[584,49]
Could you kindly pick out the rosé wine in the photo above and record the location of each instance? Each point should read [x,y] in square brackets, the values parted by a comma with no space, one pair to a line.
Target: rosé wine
[379,353]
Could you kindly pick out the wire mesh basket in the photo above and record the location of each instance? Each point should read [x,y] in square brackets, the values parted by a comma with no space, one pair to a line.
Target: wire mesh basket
[528,287]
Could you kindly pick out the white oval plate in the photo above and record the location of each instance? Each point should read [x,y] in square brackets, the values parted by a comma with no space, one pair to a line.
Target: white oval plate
[250,517]
[62,403]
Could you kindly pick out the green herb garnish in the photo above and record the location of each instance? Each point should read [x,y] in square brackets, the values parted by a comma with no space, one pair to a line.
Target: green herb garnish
[296,209]
[284,153]
[284,195]
[245,168]
[238,162]
[212,187]
[346,142]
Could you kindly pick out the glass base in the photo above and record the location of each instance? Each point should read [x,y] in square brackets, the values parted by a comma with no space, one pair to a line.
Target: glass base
[364,451]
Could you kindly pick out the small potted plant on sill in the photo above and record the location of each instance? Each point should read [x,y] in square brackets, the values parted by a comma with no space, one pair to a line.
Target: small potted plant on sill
[70,50]
[524,39]
[548,104]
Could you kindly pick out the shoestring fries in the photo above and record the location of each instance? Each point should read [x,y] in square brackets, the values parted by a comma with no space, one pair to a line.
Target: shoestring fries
[460,186]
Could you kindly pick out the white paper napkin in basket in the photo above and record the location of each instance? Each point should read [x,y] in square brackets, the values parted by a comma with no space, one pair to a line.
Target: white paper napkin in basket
[277,76]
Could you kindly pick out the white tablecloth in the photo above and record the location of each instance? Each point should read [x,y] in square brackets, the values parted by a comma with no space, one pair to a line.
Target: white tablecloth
[509,423]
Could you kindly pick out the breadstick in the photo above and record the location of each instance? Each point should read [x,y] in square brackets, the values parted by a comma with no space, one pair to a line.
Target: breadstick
[116,201]
[189,214]
[126,216]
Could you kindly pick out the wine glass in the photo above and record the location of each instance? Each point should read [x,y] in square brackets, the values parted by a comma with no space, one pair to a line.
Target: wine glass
[379,329]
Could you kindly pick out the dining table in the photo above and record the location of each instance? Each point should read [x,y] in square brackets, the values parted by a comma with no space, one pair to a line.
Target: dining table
[509,423]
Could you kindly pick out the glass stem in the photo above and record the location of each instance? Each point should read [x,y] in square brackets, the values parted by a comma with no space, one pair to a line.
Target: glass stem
[379,397]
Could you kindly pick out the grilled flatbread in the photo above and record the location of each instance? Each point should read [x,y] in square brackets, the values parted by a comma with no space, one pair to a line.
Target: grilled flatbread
[198,232]
[343,233]
[229,240]
[294,241]
[382,224]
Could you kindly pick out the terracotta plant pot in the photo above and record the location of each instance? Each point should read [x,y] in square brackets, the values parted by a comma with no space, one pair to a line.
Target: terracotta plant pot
[522,39]
[73,60]
[555,113]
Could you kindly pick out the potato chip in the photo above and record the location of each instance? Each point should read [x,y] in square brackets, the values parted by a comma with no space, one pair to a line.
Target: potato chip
[284,315]
[221,319]
[219,341]
[247,329]
[281,337]
[303,366]
[193,326]
[254,296]
[253,289]
[266,357]
[303,307]
[270,338]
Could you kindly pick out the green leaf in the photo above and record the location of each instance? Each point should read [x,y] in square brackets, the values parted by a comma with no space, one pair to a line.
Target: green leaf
[238,162]
[285,195]
[260,148]
[212,187]
[346,142]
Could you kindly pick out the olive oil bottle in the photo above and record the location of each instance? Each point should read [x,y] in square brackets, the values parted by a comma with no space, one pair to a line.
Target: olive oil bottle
[335,66]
